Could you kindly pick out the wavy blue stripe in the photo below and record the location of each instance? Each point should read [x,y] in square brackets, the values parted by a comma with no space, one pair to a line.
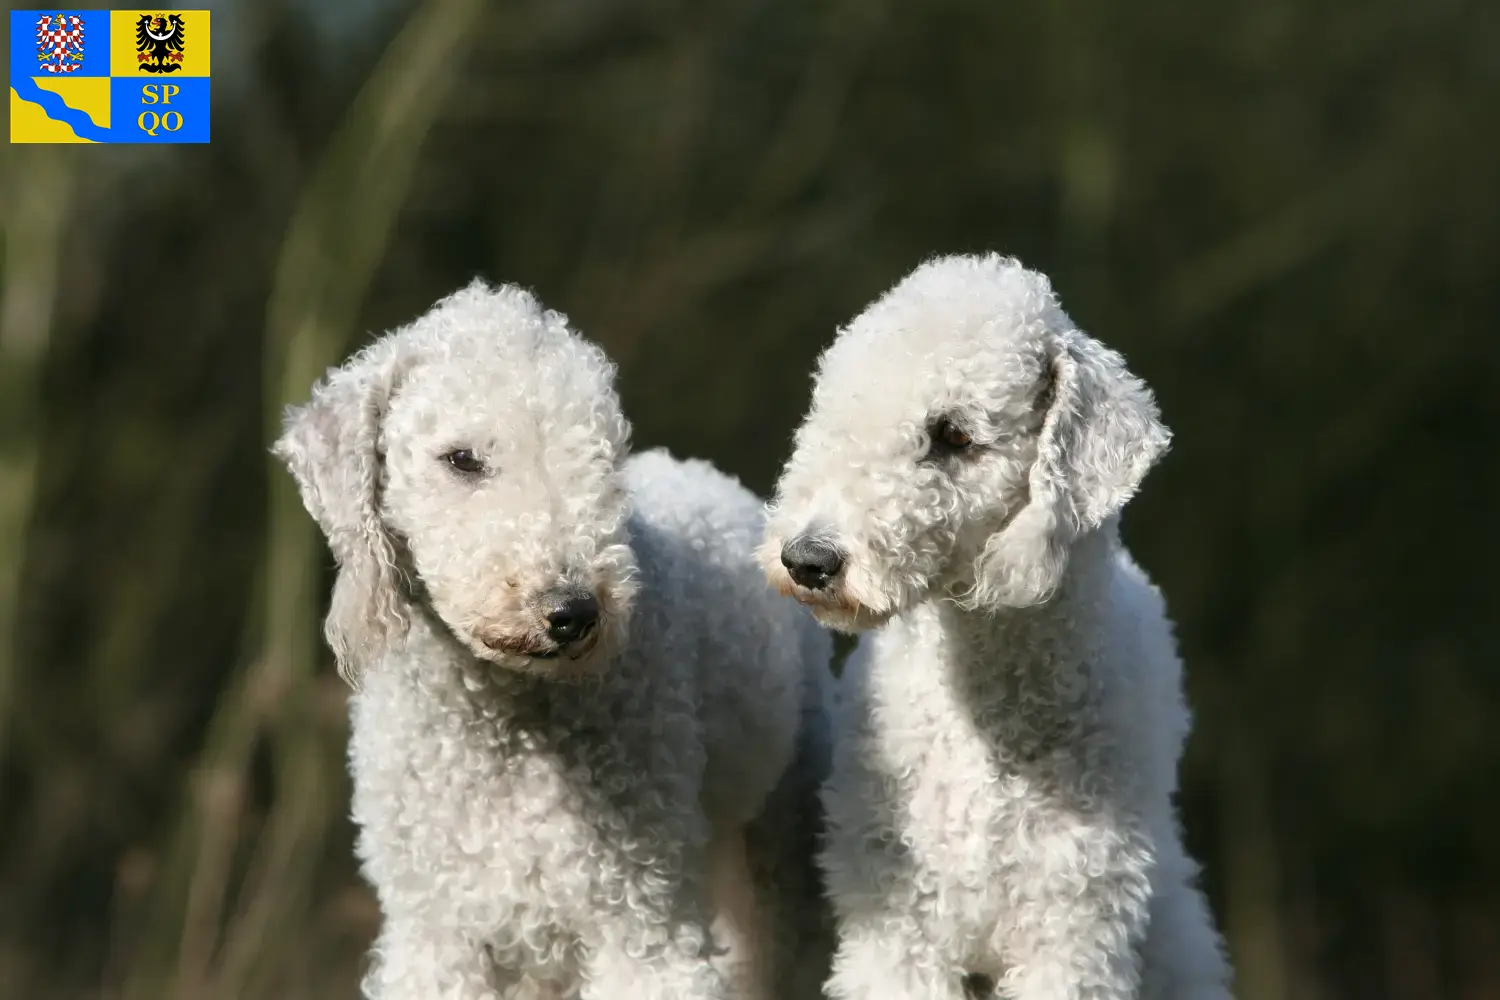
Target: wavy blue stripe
[58,110]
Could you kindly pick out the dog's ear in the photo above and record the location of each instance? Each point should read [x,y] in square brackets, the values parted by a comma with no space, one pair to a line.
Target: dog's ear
[1100,434]
[331,445]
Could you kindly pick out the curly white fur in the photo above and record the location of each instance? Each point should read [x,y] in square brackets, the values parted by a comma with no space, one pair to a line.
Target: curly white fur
[1001,804]
[546,819]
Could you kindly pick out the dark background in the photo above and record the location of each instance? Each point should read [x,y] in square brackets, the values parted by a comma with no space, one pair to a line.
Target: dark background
[1286,213]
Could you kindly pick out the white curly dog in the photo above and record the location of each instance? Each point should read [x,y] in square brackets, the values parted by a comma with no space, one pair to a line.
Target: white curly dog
[1000,813]
[575,692]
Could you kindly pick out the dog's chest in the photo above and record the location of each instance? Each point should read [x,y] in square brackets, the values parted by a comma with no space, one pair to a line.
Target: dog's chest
[961,801]
[974,773]
[502,825]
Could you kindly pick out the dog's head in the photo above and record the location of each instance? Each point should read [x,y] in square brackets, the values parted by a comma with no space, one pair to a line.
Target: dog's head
[471,460]
[963,433]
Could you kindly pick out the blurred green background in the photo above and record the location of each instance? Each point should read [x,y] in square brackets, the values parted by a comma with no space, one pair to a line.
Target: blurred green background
[1286,213]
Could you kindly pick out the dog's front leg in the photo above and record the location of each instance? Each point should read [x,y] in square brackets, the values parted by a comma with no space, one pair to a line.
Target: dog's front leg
[652,939]
[1081,898]
[415,960]
[649,963]
[884,955]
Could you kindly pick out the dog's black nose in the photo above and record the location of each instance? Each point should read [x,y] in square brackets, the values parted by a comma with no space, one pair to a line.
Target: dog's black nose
[571,618]
[978,986]
[812,563]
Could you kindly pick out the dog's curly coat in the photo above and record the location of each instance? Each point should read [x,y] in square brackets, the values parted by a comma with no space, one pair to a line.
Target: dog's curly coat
[1001,807]
[546,817]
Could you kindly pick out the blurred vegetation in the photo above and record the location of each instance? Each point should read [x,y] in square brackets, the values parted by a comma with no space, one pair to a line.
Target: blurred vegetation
[1285,213]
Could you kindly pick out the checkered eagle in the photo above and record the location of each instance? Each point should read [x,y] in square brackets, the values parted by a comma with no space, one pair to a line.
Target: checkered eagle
[59,43]
[159,41]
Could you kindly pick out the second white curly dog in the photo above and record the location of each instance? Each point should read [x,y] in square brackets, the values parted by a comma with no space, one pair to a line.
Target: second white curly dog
[1000,811]
[576,692]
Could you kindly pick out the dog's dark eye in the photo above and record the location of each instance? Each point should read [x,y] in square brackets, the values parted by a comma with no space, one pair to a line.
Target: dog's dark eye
[947,437]
[464,460]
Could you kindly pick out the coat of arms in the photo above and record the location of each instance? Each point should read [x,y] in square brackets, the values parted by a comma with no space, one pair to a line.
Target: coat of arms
[159,41]
[59,42]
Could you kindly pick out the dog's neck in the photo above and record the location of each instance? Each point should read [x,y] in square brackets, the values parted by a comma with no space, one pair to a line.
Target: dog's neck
[1033,683]
[1037,655]
[430,632]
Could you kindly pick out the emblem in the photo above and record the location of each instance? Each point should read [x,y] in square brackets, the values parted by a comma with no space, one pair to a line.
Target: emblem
[59,42]
[159,41]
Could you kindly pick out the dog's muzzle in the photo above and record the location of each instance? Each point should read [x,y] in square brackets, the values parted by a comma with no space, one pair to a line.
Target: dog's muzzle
[567,621]
[812,562]
[571,617]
